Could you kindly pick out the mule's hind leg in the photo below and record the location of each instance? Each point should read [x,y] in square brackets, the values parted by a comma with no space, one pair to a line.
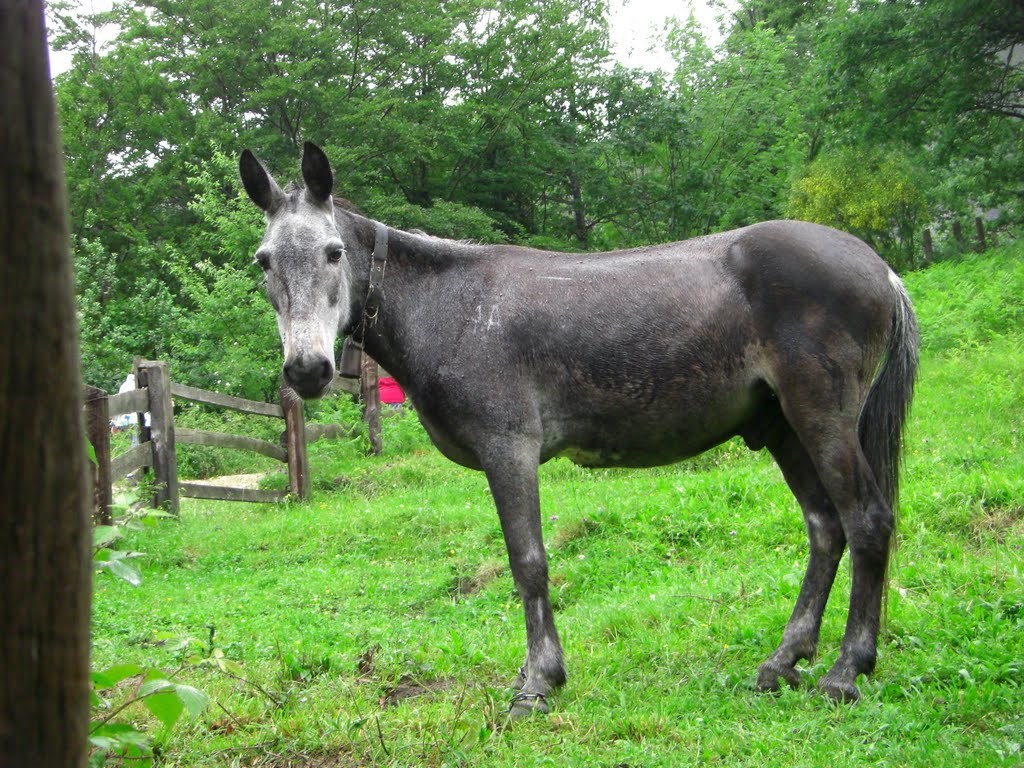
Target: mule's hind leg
[867,521]
[512,475]
[827,542]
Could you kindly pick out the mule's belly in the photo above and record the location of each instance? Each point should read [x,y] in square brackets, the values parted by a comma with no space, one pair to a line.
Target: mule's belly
[613,456]
[662,433]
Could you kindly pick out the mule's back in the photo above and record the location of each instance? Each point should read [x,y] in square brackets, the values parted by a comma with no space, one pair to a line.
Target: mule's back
[647,356]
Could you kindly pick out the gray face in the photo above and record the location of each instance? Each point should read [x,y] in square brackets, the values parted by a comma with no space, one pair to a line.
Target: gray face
[307,273]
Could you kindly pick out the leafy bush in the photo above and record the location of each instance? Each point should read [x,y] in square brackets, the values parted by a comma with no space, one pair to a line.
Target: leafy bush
[227,337]
[112,332]
[874,194]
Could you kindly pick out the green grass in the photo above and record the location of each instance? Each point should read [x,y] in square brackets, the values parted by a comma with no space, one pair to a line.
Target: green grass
[377,624]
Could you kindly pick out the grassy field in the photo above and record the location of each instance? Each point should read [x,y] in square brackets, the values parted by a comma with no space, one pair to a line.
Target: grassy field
[378,625]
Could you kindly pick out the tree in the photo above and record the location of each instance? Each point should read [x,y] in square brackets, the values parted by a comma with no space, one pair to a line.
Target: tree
[946,75]
[941,59]
[469,119]
[45,562]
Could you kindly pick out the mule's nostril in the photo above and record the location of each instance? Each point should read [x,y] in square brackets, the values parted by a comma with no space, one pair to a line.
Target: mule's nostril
[326,372]
[308,377]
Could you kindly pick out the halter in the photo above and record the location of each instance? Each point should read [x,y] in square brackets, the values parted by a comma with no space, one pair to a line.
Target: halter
[375,285]
[374,296]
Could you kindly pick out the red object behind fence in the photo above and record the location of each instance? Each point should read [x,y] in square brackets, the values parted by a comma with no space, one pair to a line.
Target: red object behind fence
[390,392]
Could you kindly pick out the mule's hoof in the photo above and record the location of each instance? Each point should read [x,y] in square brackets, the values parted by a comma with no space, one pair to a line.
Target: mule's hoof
[768,675]
[524,704]
[840,691]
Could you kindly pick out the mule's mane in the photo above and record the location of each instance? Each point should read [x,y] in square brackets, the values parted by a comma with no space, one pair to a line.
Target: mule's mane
[414,246]
[426,248]
[347,205]
[341,202]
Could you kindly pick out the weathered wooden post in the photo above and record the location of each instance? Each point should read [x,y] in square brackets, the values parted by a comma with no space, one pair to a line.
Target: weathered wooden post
[45,538]
[295,442]
[154,376]
[371,402]
[141,422]
[979,227]
[958,234]
[926,242]
[97,428]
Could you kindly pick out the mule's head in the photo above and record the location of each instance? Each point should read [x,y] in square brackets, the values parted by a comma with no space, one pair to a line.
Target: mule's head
[303,258]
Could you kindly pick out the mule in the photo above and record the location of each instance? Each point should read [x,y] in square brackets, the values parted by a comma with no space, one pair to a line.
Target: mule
[796,337]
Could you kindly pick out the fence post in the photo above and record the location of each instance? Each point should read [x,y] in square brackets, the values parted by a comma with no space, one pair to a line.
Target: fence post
[155,377]
[926,242]
[97,428]
[371,402]
[295,442]
[979,227]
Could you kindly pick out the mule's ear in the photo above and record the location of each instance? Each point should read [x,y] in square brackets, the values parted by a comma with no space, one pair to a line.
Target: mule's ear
[316,172]
[259,185]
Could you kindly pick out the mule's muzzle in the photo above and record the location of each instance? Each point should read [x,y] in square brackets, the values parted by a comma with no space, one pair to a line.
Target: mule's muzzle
[309,376]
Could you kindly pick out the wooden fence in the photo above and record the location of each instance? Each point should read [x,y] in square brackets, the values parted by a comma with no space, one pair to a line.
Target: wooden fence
[158,437]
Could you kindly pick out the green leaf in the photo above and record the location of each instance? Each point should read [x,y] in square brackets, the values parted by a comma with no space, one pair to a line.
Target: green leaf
[111,676]
[123,571]
[105,535]
[154,683]
[167,700]
[165,707]
[194,700]
[118,737]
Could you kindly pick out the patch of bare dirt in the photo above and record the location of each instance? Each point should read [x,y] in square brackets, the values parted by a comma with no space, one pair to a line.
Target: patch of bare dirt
[408,687]
[235,481]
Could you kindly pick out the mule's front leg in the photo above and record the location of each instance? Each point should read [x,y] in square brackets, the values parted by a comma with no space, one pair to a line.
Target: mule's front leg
[512,475]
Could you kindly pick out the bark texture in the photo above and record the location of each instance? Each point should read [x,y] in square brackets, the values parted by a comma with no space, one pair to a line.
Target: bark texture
[45,562]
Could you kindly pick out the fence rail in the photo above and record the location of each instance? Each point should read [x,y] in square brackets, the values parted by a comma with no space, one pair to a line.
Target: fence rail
[224,440]
[197,395]
[158,437]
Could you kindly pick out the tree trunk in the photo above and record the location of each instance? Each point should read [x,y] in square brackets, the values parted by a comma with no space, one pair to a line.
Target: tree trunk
[45,563]
[579,216]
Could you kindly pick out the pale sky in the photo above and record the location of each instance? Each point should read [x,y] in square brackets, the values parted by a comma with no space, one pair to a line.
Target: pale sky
[636,26]
[637,29]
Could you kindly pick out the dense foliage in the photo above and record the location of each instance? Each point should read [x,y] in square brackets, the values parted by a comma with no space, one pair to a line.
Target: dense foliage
[507,121]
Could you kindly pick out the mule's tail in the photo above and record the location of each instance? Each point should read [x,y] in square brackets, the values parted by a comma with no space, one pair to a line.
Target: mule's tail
[888,403]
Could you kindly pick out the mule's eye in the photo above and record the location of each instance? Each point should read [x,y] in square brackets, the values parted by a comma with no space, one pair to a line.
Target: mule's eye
[263,259]
[334,255]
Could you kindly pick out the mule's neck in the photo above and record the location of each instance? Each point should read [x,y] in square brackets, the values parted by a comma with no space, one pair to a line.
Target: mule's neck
[360,235]
[370,311]
[393,272]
